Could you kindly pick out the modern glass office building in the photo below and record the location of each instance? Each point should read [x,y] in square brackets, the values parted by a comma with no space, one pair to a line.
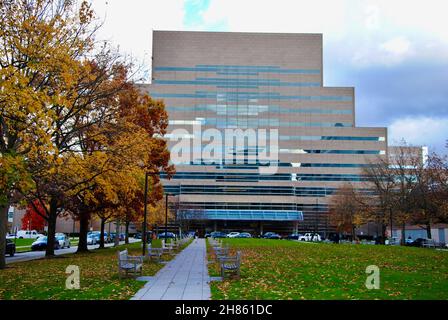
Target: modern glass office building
[256,81]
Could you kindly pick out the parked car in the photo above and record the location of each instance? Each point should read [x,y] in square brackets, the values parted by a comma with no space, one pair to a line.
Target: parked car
[121,236]
[233,234]
[191,234]
[218,234]
[244,235]
[139,235]
[294,236]
[393,241]
[28,234]
[93,238]
[419,242]
[310,237]
[64,241]
[10,247]
[271,235]
[169,235]
[41,244]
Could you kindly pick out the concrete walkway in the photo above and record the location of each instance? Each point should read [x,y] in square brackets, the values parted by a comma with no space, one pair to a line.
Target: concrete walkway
[183,278]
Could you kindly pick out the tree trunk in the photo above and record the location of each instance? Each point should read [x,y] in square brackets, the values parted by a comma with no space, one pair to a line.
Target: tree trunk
[51,228]
[403,234]
[103,222]
[383,233]
[117,234]
[428,230]
[353,233]
[83,230]
[126,239]
[3,227]
[391,223]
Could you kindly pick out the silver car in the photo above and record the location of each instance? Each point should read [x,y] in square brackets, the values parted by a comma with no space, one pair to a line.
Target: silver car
[64,241]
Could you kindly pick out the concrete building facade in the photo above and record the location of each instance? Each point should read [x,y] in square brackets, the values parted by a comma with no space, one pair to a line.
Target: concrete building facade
[258,81]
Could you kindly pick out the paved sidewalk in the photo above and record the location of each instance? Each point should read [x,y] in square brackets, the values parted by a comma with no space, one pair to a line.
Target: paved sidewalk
[183,278]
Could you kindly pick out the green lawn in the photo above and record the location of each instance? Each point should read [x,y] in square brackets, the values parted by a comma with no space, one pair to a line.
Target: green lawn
[23,242]
[23,245]
[280,269]
[45,278]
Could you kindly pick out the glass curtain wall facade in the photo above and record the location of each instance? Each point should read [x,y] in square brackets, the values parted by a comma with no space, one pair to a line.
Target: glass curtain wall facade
[259,81]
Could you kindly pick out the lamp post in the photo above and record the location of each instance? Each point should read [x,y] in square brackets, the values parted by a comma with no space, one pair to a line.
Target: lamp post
[166,217]
[145,212]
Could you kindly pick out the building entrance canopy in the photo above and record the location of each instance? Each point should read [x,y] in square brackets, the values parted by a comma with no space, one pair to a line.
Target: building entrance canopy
[253,215]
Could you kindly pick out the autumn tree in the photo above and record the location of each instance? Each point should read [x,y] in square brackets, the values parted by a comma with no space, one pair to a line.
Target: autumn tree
[381,181]
[33,219]
[129,146]
[55,86]
[430,194]
[403,163]
[158,214]
[41,46]
[345,210]
[438,170]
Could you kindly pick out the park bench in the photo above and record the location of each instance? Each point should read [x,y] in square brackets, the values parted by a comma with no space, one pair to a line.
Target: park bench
[129,264]
[155,252]
[221,253]
[167,248]
[231,265]
[429,244]
[174,244]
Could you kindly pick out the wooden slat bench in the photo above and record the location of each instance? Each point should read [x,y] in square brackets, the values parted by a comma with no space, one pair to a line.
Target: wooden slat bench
[221,253]
[129,264]
[231,265]
[429,244]
[155,252]
[167,248]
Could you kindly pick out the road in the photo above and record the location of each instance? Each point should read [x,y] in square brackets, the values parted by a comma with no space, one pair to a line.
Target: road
[33,255]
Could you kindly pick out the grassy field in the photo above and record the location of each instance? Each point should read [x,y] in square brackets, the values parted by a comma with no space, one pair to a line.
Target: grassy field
[280,269]
[45,278]
[23,245]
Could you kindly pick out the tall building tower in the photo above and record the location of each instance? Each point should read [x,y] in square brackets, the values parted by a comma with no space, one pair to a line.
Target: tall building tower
[258,81]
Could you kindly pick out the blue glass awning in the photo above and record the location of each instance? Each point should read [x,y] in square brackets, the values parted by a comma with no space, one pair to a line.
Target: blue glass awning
[253,215]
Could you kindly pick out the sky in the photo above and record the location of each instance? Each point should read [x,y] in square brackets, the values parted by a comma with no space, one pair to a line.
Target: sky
[395,52]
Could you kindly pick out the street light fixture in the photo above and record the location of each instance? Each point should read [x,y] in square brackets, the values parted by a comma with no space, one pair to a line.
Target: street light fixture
[144,235]
[146,211]
[166,217]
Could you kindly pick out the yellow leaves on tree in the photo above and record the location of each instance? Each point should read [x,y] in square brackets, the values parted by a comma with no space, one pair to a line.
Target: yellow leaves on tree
[345,210]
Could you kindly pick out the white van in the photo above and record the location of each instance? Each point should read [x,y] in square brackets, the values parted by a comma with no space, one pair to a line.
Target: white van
[310,237]
[28,234]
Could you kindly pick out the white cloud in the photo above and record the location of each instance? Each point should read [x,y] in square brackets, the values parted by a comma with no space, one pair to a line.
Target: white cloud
[390,52]
[279,16]
[129,24]
[427,131]
[372,20]
[397,46]
[365,33]
[353,30]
